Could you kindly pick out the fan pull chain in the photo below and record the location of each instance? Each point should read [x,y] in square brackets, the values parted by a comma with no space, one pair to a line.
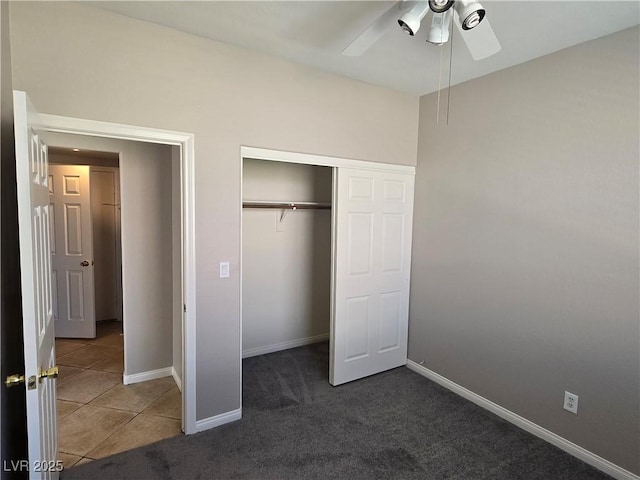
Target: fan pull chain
[439,86]
[450,64]
[450,26]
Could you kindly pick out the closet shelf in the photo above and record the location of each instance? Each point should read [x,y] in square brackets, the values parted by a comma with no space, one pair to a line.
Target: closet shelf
[287,205]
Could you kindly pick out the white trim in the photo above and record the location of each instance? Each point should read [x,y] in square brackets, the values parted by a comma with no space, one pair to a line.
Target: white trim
[320,160]
[176,378]
[60,124]
[95,128]
[276,347]
[216,421]
[145,376]
[189,287]
[577,451]
[240,268]
[334,241]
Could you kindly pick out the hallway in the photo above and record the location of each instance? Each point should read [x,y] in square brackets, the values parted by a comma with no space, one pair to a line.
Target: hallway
[98,416]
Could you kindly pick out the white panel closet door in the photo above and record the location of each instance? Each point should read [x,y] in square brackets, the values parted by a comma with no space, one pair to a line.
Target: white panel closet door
[372,260]
[72,251]
[32,183]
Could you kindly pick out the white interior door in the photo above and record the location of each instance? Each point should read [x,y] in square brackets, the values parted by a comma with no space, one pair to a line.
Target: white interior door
[372,259]
[72,251]
[37,300]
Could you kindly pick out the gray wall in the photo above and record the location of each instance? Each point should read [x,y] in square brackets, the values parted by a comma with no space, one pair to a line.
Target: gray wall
[147,281]
[525,261]
[286,266]
[147,246]
[102,66]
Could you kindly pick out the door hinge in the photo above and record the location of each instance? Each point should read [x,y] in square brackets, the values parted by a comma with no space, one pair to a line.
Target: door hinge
[185,308]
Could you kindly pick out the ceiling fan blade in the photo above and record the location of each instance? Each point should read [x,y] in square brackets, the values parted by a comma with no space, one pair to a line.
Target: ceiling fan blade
[481,41]
[374,31]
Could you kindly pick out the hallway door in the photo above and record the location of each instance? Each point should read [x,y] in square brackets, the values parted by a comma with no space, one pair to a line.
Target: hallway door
[72,251]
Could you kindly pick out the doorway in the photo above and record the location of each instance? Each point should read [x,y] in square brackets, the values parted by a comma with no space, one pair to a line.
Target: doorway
[33,214]
[186,204]
[103,407]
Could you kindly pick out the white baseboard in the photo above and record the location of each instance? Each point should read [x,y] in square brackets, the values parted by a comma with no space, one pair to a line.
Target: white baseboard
[577,451]
[216,421]
[176,378]
[144,376]
[276,347]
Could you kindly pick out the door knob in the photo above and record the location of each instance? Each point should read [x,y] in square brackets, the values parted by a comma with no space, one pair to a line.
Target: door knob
[84,263]
[48,373]
[13,380]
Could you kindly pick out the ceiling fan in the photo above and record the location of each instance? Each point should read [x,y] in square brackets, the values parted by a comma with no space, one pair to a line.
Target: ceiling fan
[469,18]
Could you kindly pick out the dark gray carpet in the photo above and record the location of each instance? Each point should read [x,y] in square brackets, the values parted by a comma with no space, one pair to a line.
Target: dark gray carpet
[395,425]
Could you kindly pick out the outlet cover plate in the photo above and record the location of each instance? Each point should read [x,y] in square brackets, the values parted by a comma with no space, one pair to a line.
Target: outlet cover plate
[571,402]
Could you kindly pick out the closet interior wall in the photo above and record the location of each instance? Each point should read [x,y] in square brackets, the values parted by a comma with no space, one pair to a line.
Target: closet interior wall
[286,259]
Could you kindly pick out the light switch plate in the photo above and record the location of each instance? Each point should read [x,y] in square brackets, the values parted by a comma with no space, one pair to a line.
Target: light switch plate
[224,269]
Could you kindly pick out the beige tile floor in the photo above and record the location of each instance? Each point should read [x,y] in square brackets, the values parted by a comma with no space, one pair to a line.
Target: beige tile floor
[98,416]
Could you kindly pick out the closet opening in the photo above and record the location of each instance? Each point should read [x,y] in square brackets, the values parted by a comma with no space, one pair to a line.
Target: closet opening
[286,282]
[286,257]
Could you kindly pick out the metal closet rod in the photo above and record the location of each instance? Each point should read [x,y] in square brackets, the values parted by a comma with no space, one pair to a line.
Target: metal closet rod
[288,205]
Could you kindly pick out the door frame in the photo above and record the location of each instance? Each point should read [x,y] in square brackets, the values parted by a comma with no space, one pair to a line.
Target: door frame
[316,160]
[184,140]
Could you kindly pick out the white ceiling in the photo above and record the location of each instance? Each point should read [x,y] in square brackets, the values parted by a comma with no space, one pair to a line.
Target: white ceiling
[314,33]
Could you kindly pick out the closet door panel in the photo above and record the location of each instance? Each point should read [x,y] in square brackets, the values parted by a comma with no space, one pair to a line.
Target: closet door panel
[372,254]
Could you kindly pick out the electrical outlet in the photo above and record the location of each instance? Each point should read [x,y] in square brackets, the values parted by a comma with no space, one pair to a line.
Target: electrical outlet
[571,402]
